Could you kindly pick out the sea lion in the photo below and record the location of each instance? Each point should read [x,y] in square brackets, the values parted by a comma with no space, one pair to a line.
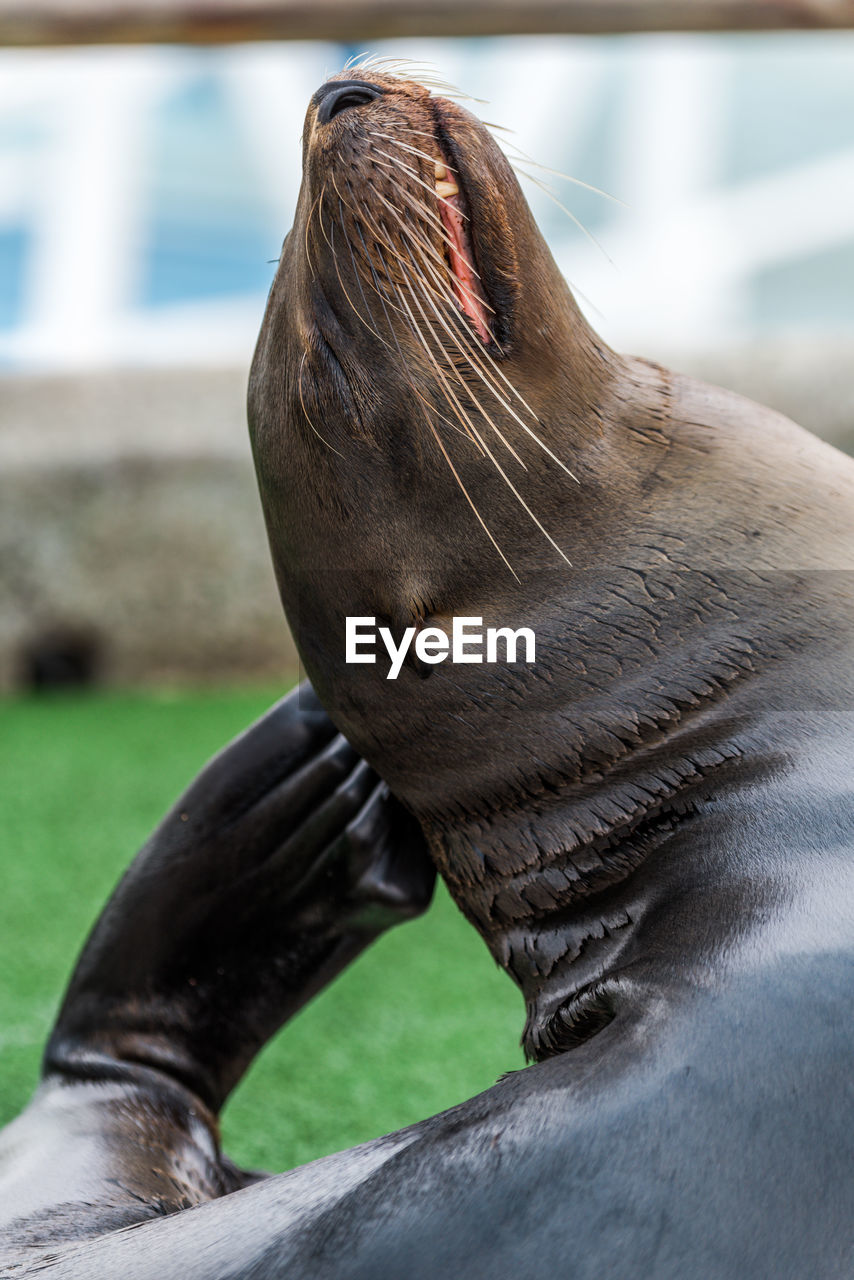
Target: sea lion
[651,825]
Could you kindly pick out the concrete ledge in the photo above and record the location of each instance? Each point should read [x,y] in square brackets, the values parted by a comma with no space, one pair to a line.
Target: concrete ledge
[130,521]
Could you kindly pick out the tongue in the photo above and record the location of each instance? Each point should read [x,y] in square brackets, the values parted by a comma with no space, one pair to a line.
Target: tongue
[465,282]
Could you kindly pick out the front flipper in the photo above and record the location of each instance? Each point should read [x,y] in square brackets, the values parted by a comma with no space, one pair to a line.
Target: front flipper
[280,864]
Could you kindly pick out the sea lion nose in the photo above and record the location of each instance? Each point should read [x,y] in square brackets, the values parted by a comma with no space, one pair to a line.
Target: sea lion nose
[338,95]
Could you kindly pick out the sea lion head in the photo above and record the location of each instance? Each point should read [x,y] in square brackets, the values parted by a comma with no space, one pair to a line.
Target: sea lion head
[418,336]
[411,230]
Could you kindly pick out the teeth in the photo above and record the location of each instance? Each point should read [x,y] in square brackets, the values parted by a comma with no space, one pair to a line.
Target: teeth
[445,185]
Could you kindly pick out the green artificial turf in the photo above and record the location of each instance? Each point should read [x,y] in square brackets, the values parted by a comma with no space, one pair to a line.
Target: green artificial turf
[420,1022]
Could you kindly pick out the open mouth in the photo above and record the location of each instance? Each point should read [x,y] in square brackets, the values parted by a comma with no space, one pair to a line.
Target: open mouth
[458,251]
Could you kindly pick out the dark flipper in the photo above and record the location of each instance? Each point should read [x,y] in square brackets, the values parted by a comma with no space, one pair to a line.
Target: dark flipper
[281,863]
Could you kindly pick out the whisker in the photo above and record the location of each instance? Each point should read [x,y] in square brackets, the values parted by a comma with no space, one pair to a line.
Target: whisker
[329,241]
[448,390]
[410,235]
[517,495]
[375,285]
[445,388]
[344,289]
[477,355]
[436,225]
[305,411]
[421,133]
[462,383]
[415,176]
[307,229]
[522,158]
[372,326]
[342,205]
[544,187]
[422,211]
[457,476]
[398,253]
[438,258]
[423,73]
[471,354]
[414,150]
[482,352]
[403,364]
[387,241]
[469,500]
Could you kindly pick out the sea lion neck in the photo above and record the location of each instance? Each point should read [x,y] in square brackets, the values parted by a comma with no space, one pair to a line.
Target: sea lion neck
[631,836]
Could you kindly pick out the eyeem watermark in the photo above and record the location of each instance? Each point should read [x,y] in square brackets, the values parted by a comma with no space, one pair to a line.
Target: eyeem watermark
[468,642]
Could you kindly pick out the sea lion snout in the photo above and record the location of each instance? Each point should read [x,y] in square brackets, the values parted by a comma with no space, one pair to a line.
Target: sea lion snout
[336,96]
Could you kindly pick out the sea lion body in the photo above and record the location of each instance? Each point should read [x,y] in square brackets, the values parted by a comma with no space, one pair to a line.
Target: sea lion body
[665,1148]
[651,826]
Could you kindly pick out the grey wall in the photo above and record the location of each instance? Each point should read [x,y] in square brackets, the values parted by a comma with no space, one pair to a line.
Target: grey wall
[129,517]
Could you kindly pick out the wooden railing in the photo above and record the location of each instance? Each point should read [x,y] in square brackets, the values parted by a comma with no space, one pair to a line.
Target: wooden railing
[51,22]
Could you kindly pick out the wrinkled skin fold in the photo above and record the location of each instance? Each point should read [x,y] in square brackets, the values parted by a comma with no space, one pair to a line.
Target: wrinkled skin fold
[652,826]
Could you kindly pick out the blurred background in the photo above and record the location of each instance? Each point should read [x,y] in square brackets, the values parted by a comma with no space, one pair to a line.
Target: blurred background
[144,195]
